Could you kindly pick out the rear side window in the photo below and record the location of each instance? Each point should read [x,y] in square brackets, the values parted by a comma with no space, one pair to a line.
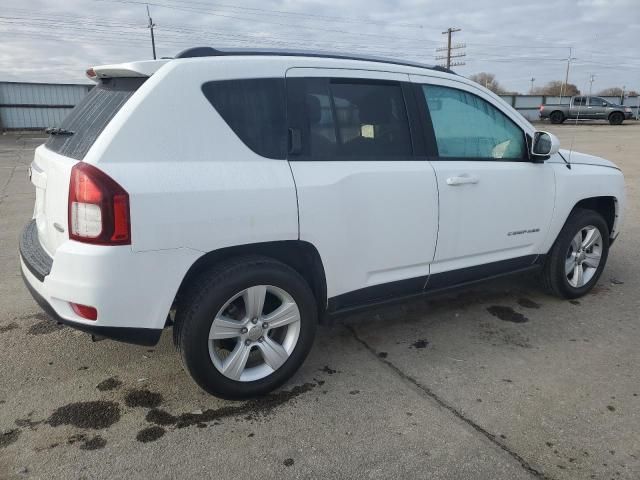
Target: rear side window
[255,109]
[89,118]
[350,119]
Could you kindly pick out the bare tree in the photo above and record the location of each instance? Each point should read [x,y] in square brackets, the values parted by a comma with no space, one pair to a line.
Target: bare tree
[611,92]
[555,87]
[488,80]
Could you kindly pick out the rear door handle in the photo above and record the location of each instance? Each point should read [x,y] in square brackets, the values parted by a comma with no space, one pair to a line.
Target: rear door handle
[463,179]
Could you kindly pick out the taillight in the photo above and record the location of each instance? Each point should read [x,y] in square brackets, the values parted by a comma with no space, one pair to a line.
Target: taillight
[98,208]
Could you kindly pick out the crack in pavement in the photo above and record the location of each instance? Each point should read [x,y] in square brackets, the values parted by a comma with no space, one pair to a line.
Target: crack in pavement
[431,394]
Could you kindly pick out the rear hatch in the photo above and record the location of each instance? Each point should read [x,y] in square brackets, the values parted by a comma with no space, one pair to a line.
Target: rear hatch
[51,168]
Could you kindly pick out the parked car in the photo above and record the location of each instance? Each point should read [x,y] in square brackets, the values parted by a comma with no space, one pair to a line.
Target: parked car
[586,108]
[243,196]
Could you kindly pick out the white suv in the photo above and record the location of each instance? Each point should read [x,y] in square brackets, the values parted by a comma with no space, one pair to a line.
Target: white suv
[244,195]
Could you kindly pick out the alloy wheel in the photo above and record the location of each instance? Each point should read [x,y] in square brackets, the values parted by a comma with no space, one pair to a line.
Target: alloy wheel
[583,256]
[254,333]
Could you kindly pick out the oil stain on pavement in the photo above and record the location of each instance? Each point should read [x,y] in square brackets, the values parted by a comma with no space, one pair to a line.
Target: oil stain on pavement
[92,415]
[507,314]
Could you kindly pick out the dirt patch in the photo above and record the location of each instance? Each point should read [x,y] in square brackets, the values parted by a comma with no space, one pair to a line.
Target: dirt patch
[383,354]
[252,410]
[28,423]
[109,384]
[288,462]
[8,327]
[150,434]
[507,314]
[96,415]
[9,437]
[143,398]
[44,327]
[328,370]
[503,336]
[422,343]
[86,443]
[95,443]
[526,303]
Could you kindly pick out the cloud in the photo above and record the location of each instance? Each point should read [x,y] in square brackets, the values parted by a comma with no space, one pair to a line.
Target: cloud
[514,40]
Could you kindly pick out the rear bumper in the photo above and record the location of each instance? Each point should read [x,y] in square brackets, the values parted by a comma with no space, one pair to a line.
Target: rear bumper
[131,291]
[137,336]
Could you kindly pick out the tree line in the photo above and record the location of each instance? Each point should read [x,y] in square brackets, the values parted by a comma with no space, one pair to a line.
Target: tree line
[552,88]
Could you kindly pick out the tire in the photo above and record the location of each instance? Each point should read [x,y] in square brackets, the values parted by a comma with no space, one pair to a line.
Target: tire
[557,117]
[616,118]
[207,303]
[563,256]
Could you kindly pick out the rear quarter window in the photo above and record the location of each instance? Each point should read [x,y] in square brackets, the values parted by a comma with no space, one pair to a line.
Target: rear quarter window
[90,117]
[255,110]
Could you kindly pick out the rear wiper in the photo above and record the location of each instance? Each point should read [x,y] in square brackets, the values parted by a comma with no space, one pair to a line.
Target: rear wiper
[58,131]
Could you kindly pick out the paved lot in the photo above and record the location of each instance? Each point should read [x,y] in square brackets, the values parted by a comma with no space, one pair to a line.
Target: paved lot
[437,389]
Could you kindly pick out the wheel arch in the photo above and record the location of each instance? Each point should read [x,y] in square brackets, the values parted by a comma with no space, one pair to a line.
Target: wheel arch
[302,256]
[607,206]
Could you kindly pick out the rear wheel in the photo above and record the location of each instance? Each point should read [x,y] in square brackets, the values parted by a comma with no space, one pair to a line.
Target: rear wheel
[557,117]
[578,255]
[246,327]
[616,118]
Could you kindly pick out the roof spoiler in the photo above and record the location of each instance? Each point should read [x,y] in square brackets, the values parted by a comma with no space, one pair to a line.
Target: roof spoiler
[144,68]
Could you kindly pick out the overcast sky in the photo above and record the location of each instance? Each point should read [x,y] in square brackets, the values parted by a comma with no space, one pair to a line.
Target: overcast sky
[55,42]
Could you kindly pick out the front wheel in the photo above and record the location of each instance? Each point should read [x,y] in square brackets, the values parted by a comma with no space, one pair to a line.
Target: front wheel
[578,255]
[616,118]
[245,327]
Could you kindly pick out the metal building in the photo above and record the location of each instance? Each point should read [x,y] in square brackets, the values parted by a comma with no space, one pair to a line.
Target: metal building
[35,106]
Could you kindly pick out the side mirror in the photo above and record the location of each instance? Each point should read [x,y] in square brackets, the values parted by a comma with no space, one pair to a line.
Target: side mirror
[544,145]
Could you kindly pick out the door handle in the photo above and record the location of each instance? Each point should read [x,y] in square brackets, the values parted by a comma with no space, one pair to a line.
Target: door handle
[462,180]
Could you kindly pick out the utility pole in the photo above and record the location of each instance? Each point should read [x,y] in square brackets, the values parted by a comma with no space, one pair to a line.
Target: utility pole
[532,80]
[592,77]
[449,49]
[150,27]
[566,76]
[622,95]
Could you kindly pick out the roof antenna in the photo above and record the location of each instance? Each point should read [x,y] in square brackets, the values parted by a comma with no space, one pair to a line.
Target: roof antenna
[584,104]
[150,27]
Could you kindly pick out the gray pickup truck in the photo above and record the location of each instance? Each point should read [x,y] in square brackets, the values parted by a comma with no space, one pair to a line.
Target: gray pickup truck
[587,108]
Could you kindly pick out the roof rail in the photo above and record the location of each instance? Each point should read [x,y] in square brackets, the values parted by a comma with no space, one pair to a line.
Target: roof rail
[213,52]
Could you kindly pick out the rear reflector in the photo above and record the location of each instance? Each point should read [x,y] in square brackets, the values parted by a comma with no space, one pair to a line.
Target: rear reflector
[86,312]
[98,208]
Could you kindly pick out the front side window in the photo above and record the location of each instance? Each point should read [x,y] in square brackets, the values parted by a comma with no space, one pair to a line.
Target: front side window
[466,126]
[255,109]
[346,119]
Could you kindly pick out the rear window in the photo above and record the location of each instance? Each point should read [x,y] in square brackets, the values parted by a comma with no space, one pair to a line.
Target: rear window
[89,118]
[255,110]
